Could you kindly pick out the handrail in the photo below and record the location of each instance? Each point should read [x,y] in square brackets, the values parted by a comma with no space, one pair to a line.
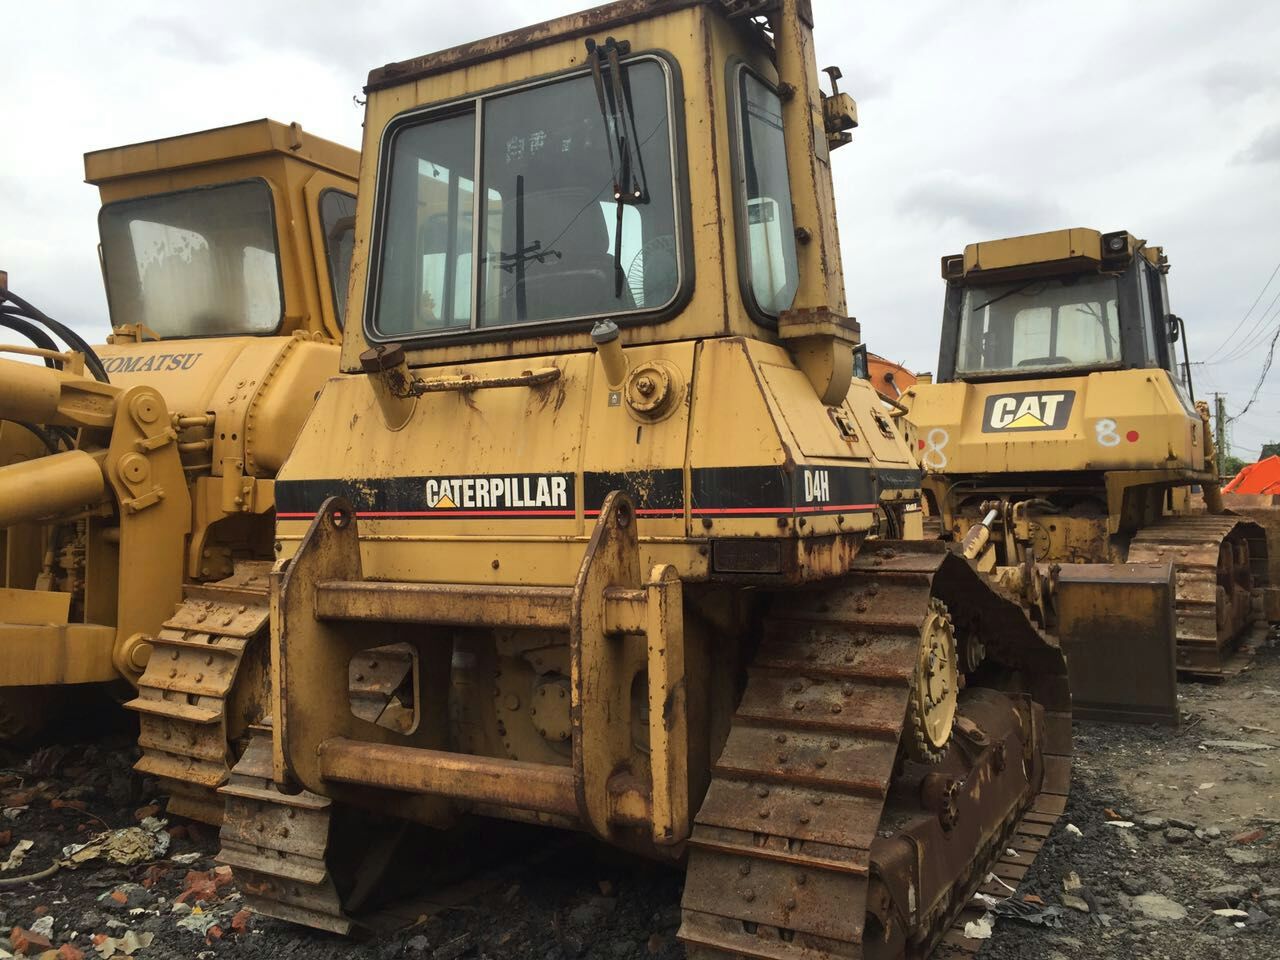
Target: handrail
[72,359]
[466,383]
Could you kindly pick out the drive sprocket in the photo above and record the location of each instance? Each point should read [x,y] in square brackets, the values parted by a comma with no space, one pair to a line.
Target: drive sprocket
[931,707]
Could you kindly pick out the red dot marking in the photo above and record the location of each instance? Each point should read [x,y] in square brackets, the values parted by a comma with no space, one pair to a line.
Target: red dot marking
[1132,436]
[921,444]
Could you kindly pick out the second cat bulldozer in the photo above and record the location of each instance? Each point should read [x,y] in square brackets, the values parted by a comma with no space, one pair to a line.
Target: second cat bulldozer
[1060,445]
[136,485]
[598,530]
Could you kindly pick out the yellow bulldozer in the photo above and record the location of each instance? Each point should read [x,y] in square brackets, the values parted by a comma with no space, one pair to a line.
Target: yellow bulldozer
[136,477]
[1061,443]
[599,531]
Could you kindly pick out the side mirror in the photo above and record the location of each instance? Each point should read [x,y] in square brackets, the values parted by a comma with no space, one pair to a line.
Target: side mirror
[1175,325]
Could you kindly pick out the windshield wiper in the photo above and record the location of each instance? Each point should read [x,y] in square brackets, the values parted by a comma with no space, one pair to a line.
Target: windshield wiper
[1007,293]
[626,164]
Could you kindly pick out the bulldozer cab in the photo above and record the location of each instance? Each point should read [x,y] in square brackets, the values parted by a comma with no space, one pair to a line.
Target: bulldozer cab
[1065,303]
[240,231]
[603,190]
[1058,353]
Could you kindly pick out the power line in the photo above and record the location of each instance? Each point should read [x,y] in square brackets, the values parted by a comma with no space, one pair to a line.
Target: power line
[1257,333]
[1246,313]
[1266,368]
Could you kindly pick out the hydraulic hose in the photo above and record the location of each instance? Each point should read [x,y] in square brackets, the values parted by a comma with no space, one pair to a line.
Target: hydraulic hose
[43,435]
[65,333]
[12,320]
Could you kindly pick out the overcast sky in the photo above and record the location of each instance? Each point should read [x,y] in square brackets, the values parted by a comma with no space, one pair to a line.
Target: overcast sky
[979,121]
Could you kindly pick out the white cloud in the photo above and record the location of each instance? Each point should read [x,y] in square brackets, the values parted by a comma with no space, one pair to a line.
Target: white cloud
[977,120]
[1265,148]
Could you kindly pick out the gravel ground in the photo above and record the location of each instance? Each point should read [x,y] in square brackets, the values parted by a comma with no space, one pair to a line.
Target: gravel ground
[1204,836]
[1204,804]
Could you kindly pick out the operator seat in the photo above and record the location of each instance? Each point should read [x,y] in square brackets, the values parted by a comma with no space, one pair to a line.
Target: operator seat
[580,282]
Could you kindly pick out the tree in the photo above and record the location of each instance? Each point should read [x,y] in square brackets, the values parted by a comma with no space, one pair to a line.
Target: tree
[1231,466]
[1269,450]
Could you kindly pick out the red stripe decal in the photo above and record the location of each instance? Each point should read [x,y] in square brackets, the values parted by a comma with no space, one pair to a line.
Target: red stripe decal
[771,511]
[642,511]
[442,514]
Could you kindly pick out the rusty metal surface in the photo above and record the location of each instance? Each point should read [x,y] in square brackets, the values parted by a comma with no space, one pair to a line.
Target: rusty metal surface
[1261,510]
[529,786]
[809,831]
[617,627]
[668,706]
[1116,626]
[464,383]
[378,678]
[276,844]
[203,684]
[446,604]
[505,45]
[603,667]
[1218,561]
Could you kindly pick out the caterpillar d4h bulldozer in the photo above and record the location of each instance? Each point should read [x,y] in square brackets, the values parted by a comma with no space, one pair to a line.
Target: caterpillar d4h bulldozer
[1060,445]
[600,532]
[136,491]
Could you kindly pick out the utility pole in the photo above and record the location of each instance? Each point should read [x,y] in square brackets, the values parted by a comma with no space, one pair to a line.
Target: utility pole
[1220,430]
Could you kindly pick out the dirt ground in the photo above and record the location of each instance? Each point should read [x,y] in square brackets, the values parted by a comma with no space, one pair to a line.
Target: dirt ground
[1202,804]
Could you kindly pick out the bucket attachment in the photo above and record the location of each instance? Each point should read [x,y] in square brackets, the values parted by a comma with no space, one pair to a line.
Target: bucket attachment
[1116,626]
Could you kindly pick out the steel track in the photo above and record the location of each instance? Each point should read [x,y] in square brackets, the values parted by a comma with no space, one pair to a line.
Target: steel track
[800,837]
[1213,606]
[204,682]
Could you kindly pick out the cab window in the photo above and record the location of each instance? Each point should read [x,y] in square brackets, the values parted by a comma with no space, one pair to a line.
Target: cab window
[764,199]
[1041,324]
[547,236]
[194,263]
[338,220]
[1154,293]
[1169,352]
[1154,342]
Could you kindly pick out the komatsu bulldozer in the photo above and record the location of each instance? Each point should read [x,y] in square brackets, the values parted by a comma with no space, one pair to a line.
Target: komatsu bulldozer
[136,491]
[1060,444]
[598,530]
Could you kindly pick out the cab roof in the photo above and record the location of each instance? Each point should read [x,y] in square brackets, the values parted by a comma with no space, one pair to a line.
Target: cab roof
[585,23]
[238,141]
[1074,250]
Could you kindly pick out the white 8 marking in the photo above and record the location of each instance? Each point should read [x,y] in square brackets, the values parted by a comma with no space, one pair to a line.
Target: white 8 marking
[1105,433]
[934,458]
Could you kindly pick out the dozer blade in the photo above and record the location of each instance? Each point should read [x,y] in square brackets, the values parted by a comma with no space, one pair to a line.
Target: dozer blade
[1116,626]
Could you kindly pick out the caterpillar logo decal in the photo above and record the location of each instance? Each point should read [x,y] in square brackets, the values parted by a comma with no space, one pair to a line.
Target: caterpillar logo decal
[1020,412]
[524,495]
[528,494]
